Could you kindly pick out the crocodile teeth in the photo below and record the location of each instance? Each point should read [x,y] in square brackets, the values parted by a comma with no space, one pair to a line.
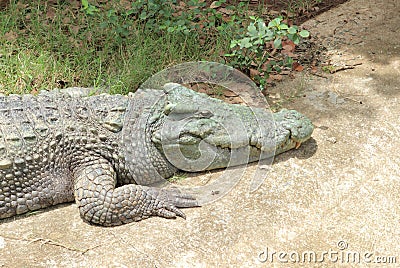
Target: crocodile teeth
[297,144]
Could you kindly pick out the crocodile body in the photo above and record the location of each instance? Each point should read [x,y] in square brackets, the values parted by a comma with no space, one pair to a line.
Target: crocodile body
[105,151]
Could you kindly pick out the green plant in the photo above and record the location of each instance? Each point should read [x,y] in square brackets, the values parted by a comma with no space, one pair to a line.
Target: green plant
[328,68]
[177,177]
[256,48]
[69,44]
[162,17]
[110,44]
[88,8]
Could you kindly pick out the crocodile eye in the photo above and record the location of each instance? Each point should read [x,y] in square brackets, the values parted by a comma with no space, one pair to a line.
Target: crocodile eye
[168,108]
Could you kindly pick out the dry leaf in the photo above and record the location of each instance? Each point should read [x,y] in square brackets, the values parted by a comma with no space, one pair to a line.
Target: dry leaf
[276,77]
[288,45]
[254,73]
[202,88]
[229,93]
[226,11]
[287,48]
[226,18]
[297,67]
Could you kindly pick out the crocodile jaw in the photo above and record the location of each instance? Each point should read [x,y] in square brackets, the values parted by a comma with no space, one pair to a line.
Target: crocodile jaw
[198,132]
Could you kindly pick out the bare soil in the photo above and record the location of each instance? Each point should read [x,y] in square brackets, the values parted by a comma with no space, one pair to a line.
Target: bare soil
[338,193]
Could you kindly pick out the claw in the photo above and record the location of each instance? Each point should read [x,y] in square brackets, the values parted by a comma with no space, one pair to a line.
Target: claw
[169,200]
[297,144]
[179,213]
[170,212]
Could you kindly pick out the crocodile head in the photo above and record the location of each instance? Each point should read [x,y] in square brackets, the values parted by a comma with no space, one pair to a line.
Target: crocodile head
[196,132]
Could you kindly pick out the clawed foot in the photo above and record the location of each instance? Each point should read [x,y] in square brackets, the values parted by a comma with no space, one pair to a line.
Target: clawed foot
[169,200]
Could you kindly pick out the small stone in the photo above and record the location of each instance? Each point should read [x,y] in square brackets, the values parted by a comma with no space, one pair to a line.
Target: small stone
[332,140]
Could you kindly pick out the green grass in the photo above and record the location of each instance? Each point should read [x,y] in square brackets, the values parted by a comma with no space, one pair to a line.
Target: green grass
[57,44]
[179,176]
[45,47]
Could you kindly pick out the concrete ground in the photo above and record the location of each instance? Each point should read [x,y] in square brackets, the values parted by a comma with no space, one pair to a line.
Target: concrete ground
[335,201]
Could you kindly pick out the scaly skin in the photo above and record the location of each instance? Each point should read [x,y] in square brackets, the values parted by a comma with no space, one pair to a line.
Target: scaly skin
[105,151]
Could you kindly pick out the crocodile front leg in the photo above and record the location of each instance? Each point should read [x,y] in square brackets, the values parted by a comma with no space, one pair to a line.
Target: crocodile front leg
[101,203]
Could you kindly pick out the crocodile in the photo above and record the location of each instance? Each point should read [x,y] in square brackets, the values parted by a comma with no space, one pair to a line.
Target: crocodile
[107,152]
